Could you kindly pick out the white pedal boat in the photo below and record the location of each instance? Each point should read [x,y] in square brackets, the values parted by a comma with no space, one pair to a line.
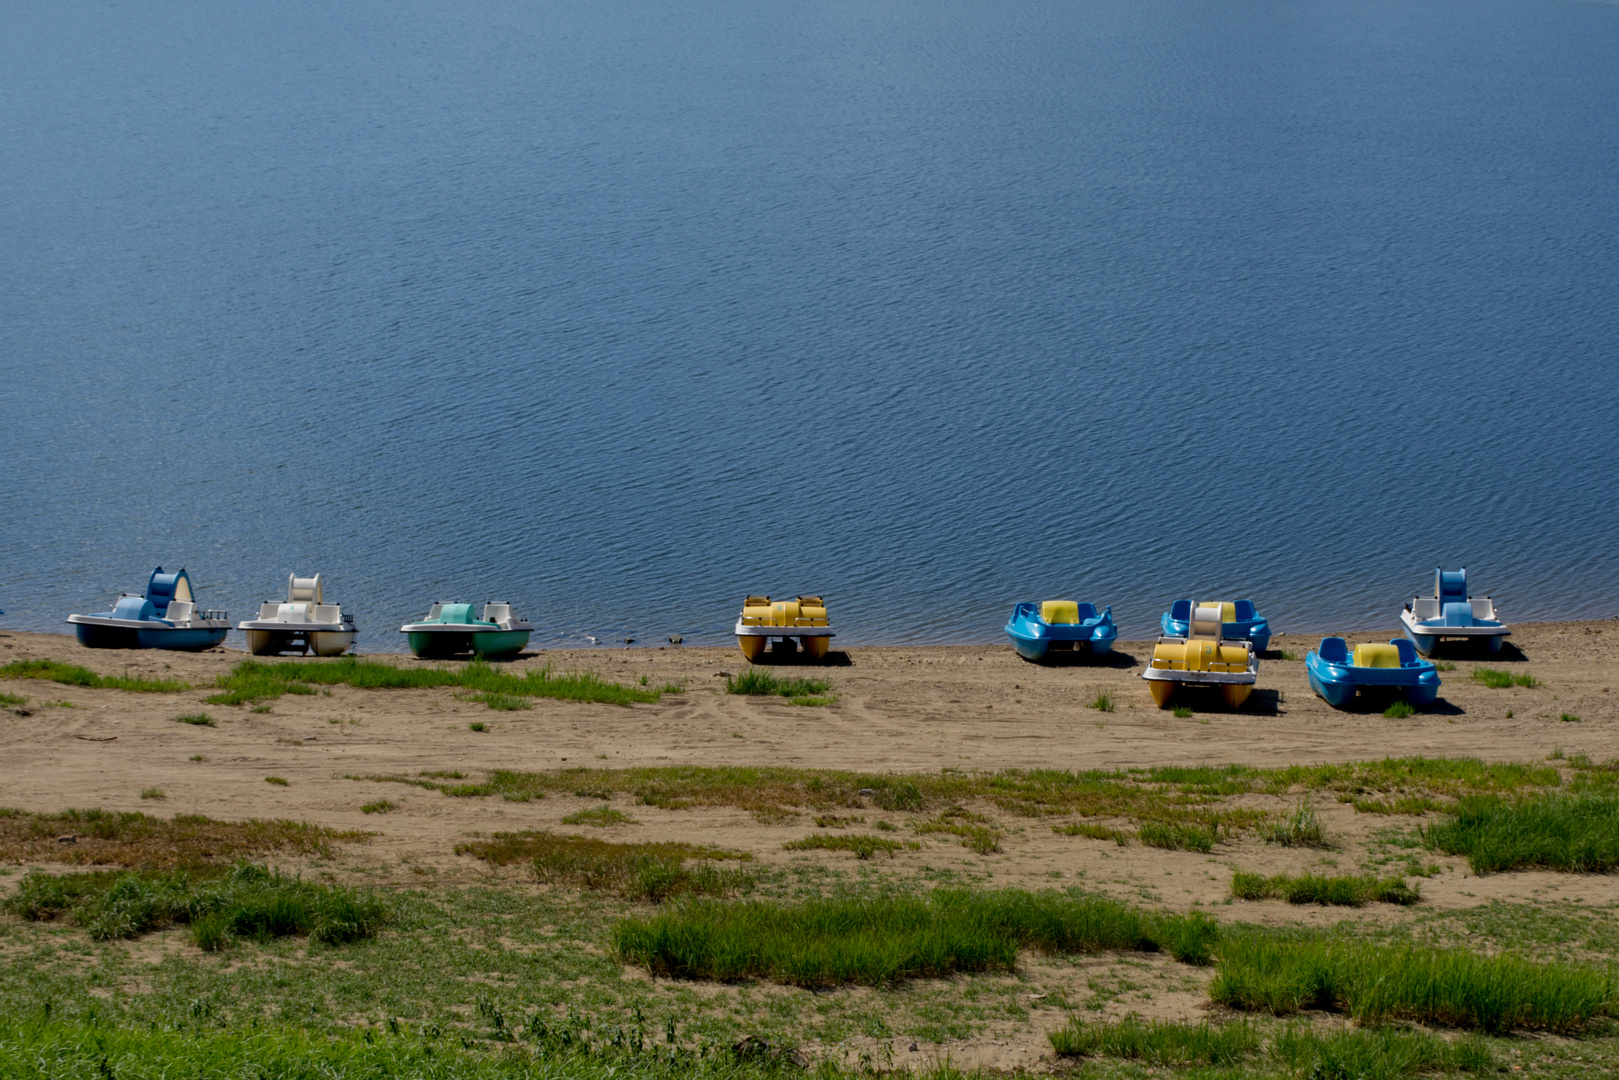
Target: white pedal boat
[1451,613]
[1203,658]
[304,621]
[783,625]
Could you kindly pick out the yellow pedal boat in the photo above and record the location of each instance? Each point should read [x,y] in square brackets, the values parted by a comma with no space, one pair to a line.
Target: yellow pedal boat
[1203,658]
[783,625]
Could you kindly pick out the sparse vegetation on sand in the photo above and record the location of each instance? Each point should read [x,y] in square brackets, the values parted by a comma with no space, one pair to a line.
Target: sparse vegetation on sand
[73,675]
[198,719]
[125,838]
[1302,828]
[247,901]
[864,845]
[1378,984]
[599,816]
[1500,680]
[254,681]
[884,939]
[635,871]
[1571,831]
[1343,890]
[762,682]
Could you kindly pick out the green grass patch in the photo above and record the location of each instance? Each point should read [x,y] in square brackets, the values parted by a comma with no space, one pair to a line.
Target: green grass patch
[256,681]
[762,682]
[248,901]
[132,839]
[1399,710]
[1120,837]
[1340,890]
[1102,702]
[1183,712]
[477,725]
[1576,832]
[12,699]
[1500,680]
[498,701]
[278,781]
[1569,718]
[153,793]
[863,845]
[1400,804]
[73,675]
[636,871]
[198,719]
[1302,828]
[813,701]
[599,816]
[1381,984]
[975,831]
[381,806]
[1179,837]
[885,939]
[1157,1042]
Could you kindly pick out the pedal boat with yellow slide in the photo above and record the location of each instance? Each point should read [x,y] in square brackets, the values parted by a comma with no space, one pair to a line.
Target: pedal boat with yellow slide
[304,621]
[1395,669]
[1037,630]
[1202,658]
[1238,621]
[784,626]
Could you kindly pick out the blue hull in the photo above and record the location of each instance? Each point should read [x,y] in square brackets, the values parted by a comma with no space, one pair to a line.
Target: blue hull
[1338,681]
[122,637]
[1035,639]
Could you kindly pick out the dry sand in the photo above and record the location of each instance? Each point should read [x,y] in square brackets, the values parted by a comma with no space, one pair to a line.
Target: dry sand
[898,709]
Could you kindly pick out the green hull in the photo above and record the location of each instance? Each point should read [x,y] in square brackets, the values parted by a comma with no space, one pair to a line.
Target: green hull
[453,643]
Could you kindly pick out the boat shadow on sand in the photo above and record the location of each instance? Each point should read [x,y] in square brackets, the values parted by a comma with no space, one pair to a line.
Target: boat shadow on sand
[834,658]
[1084,658]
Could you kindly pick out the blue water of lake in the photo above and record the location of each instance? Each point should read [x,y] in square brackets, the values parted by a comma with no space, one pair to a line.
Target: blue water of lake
[622,311]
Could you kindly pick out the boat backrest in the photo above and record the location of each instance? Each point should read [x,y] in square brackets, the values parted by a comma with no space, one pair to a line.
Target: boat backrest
[1206,621]
[328,613]
[1334,650]
[811,601]
[1373,654]
[1458,613]
[161,588]
[1245,611]
[1408,651]
[1180,610]
[179,610]
[134,607]
[1228,610]
[1483,609]
[293,612]
[1450,586]
[1425,607]
[756,601]
[784,613]
[434,612]
[1087,610]
[497,611]
[269,609]
[306,589]
[1060,612]
[456,613]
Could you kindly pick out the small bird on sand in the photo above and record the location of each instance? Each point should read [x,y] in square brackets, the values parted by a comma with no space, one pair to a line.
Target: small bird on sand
[676,639]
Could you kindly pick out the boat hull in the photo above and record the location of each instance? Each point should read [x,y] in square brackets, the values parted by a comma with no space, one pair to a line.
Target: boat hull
[1338,684]
[816,641]
[264,642]
[1427,636]
[452,642]
[98,633]
[1036,640]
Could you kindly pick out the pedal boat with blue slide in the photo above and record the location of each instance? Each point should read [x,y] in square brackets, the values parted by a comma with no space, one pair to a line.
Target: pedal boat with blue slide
[1238,621]
[1337,673]
[1451,613]
[1202,658]
[304,621]
[783,626]
[166,617]
[453,629]
[1066,626]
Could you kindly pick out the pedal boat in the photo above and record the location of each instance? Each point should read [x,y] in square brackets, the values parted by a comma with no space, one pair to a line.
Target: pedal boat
[1336,672]
[784,626]
[451,629]
[1060,626]
[1202,658]
[167,617]
[1238,621]
[1451,613]
[305,621]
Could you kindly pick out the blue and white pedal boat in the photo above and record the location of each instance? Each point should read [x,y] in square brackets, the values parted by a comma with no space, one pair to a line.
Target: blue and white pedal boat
[166,617]
[1037,630]
[1238,621]
[1337,673]
[1451,613]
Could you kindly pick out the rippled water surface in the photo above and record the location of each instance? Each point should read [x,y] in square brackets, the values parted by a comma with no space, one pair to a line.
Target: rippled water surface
[621,311]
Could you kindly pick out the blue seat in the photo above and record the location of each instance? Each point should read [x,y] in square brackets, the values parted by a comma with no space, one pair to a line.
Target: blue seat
[1181,611]
[1408,651]
[1451,586]
[1245,610]
[1087,610]
[1334,650]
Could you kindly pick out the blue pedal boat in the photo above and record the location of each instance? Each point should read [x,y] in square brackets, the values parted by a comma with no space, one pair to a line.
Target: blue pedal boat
[1336,673]
[1060,626]
[1451,613]
[1238,621]
[166,617]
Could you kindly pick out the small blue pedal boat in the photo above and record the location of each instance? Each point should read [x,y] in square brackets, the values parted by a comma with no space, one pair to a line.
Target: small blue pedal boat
[167,617]
[1451,613]
[1060,626]
[1238,621]
[1336,673]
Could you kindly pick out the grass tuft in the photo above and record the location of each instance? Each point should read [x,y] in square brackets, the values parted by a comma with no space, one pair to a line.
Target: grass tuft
[153,793]
[1575,832]
[976,832]
[279,781]
[1157,1042]
[73,675]
[643,871]
[132,839]
[863,845]
[12,699]
[1102,702]
[599,816]
[199,719]
[1095,832]
[1301,829]
[1500,680]
[381,806]
[1183,712]
[1173,837]
[1399,710]
[762,682]
[1342,890]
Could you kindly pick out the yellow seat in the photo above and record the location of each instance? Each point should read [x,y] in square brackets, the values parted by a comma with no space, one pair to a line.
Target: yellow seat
[1235,656]
[1060,612]
[1377,656]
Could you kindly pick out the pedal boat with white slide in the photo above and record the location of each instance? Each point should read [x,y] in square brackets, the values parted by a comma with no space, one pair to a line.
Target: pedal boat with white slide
[1336,673]
[452,629]
[1038,630]
[1451,613]
[304,621]
[784,626]
[1202,658]
[166,617]
[1238,621]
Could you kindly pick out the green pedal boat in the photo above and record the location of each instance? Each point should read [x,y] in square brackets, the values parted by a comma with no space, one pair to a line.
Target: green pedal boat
[451,630]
